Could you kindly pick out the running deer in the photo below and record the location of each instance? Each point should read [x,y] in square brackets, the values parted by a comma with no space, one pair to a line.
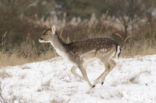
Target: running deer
[80,52]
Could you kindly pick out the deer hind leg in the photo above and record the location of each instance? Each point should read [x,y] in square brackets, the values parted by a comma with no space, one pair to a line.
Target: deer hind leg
[109,68]
[99,77]
[106,59]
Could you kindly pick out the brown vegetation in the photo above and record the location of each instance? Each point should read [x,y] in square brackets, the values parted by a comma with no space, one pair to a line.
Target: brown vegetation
[129,22]
[140,40]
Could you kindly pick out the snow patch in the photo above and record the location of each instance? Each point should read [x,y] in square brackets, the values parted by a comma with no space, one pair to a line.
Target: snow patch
[133,80]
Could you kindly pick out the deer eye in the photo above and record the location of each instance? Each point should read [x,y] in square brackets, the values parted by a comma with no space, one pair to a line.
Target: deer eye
[44,33]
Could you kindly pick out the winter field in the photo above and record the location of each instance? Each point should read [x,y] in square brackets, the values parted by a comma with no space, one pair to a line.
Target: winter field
[133,80]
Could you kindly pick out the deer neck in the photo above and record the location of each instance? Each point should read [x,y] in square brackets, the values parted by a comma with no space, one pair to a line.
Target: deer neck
[59,46]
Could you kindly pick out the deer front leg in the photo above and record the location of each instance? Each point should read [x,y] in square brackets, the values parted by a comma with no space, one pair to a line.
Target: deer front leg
[84,74]
[73,70]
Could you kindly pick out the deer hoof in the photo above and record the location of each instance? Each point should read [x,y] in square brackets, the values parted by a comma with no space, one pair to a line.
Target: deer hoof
[102,83]
[93,86]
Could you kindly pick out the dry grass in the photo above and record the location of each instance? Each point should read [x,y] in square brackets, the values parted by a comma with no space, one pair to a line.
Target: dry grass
[11,60]
[142,39]
[134,51]
[14,59]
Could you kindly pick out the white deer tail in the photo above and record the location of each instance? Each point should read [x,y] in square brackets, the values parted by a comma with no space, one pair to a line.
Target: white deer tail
[118,51]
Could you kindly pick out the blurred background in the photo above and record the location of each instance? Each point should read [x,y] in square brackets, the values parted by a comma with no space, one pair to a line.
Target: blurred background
[131,23]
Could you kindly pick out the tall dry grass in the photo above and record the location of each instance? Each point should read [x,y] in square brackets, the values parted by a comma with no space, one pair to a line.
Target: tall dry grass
[141,38]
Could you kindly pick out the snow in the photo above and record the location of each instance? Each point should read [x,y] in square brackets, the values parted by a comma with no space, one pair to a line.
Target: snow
[133,80]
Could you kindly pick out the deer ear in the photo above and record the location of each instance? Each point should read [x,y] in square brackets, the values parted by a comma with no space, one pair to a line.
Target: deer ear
[53,29]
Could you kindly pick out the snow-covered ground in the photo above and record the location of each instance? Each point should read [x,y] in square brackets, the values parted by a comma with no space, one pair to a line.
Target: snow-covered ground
[133,80]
